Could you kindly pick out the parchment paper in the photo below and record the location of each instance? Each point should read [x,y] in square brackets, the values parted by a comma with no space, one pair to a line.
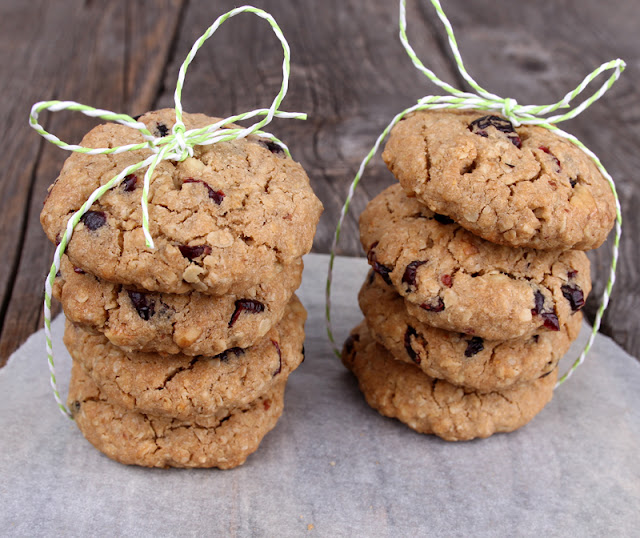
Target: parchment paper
[333,466]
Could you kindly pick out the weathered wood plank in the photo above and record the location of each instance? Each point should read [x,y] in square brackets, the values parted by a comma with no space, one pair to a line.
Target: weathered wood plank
[104,57]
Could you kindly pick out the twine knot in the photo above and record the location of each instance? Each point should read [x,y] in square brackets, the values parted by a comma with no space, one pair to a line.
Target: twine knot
[508,108]
[183,146]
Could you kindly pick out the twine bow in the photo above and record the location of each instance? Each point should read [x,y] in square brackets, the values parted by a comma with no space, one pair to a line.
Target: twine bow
[176,146]
[518,115]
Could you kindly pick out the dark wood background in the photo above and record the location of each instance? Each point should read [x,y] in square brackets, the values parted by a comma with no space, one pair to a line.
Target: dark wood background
[349,73]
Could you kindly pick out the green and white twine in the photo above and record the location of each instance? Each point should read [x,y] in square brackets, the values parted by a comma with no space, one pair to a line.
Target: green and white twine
[176,146]
[518,115]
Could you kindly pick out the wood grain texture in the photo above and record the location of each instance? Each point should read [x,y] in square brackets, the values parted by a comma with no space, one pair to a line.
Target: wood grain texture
[349,73]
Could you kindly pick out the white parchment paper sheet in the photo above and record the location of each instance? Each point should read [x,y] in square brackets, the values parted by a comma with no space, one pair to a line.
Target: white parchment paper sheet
[332,462]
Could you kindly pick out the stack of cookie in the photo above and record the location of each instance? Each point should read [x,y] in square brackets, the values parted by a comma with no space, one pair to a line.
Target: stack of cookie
[181,353]
[478,272]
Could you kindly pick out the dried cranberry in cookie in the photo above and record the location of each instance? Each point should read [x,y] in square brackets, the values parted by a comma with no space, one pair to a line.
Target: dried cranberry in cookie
[455,280]
[520,186]
[235,214]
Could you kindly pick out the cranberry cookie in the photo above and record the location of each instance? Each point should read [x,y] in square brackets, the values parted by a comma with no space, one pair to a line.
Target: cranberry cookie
[468,361]
[191,323]
[235,214]
[457,281]
[524,186]
[429,405]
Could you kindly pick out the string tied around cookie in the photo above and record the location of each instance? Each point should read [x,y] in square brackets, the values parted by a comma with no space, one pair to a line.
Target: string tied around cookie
[177,146]
[507,110]
[518,115]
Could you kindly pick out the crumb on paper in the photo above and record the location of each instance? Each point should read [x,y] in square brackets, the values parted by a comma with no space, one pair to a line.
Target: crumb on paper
[310,527]
[332,463]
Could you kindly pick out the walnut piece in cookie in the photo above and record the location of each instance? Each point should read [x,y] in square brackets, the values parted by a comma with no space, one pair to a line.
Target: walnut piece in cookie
[222,220]
[427,405]
[454,280]
[524,186]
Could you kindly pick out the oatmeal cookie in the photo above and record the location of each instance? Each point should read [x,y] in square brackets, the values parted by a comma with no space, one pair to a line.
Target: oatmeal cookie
[457,281]
[427,405]
[524,186]
[233,215]
[468,361]
[190,323]
[136,438]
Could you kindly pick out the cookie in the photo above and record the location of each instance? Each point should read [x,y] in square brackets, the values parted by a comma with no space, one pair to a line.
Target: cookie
[182,387]
[235,214]
[469,361]
[191,323]
[524,186]
[136,438]
[457,281]
[427,405]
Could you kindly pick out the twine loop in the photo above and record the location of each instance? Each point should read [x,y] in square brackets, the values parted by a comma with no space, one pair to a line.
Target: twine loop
[177,146]
[518,115]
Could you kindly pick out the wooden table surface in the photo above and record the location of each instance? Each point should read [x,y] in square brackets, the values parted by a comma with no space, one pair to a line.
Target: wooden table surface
[349,73]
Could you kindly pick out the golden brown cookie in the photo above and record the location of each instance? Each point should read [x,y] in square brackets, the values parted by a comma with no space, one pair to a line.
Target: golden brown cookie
[190,323]
[183,387]
[135,438]
[524,186]
[469,361]
[457,281]
[427,405]
[235,214]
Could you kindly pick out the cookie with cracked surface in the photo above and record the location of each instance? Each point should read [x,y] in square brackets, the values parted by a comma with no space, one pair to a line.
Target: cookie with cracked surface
[182,387]
[427,405]
[454,280]
[524,186]
[223,220]
[190,323]
[136,438]
[468,361]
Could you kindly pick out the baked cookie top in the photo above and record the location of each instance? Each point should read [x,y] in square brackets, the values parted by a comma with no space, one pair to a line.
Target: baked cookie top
[133,438]
[190,323]
[457,281]
[183,387]
[427,405]
[469,361]
[524,186]
[222,220]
